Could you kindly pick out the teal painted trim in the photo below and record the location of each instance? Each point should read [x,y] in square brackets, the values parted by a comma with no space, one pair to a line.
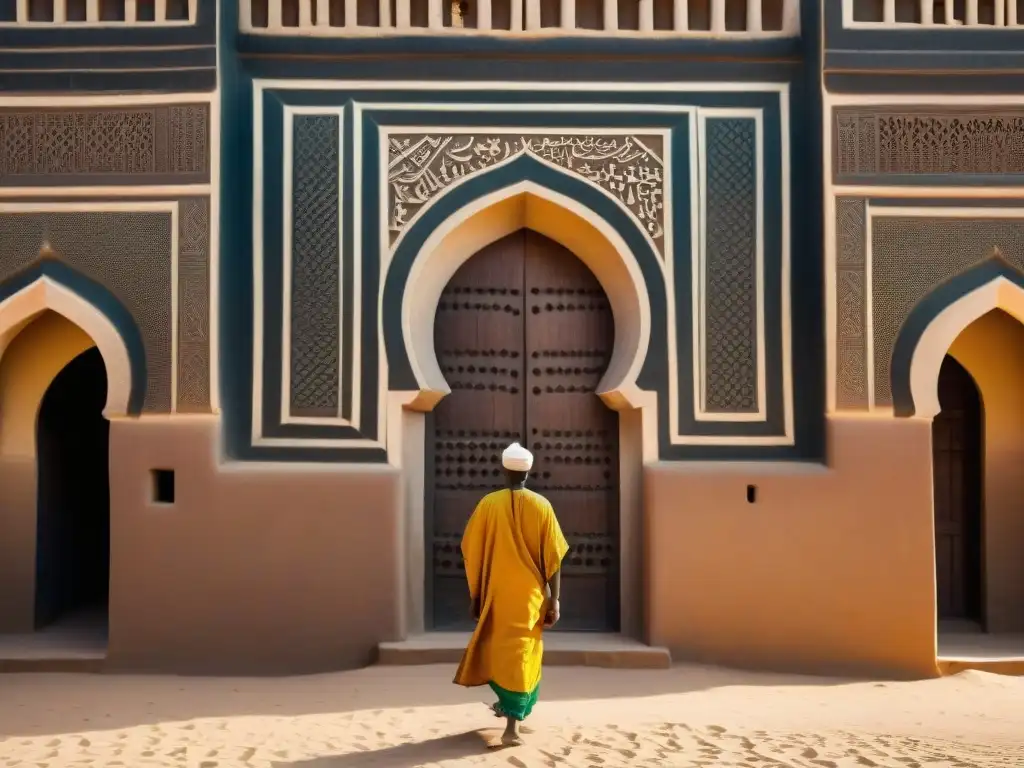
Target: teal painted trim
[771,170]
[236,308]
[467,67]
[105,302]
[625,95]
[273,310]
[938,48]
[496,45]
[927,310]
[939,84]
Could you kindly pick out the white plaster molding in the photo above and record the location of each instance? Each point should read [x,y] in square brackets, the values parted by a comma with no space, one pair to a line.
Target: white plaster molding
[288,215]
[444,252]
[107,100]
[699,277]
[18,310]
[133,190]
[931,349]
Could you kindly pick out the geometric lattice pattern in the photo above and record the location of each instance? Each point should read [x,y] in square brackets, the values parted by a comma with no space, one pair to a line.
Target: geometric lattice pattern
[129,252]
[165,143]
[851,304]
[730,288]
[883,142]
[316,265]
[630,168]
[194,305]
[910,255]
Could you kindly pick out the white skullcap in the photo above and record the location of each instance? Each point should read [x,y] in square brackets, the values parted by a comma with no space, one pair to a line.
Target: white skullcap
[517,458]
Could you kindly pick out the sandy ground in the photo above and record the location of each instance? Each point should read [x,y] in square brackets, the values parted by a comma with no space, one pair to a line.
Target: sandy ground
[413,716]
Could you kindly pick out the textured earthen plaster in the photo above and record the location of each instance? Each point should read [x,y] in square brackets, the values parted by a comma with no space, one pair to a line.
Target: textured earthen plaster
[830,570]
[255,568]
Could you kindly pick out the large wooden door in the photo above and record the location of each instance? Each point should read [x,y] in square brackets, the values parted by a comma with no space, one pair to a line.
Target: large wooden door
[956,468]
[523,334]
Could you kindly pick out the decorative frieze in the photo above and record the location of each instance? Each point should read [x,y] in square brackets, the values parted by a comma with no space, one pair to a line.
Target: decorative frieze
[151,144]
[630,168]
[873,142]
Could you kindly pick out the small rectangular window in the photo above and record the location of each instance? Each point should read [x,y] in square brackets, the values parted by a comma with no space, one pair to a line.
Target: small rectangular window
[163,486]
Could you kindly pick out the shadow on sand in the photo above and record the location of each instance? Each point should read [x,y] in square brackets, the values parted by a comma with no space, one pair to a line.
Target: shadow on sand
[412,754]
[106,702]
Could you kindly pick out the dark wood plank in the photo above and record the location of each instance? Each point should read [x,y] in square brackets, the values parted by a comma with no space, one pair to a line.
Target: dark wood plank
[478,338]
[523,334]
[574,436]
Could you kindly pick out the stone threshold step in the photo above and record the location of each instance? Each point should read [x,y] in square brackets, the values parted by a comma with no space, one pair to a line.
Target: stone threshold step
[998,666]
[561,649]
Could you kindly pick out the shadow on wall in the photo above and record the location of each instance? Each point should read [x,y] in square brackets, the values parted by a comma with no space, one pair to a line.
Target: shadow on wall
[111,702]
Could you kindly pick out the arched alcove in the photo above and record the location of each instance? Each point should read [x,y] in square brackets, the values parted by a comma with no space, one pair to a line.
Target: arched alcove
[54,476]
[480,222]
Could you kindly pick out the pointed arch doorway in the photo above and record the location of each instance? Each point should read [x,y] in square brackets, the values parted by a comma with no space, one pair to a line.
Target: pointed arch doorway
[957,499]
[523,334]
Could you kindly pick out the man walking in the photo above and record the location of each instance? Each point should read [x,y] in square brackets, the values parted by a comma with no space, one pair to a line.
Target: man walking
[513,550]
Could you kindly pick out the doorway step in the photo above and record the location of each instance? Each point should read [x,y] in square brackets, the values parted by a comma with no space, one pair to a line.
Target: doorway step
[77,644]
[561,649]
[962,650]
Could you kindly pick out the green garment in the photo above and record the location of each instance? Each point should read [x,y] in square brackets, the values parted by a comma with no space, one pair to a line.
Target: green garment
[518,706]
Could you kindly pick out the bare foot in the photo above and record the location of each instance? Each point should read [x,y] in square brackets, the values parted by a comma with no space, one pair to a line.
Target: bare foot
[511,737]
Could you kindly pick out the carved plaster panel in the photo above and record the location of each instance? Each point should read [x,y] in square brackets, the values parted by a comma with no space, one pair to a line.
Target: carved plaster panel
[149,144]
[911,255]
[870,141]
[630,168]
[851,304]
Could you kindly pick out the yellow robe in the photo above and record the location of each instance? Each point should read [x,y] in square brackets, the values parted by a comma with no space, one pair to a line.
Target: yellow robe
[504,550]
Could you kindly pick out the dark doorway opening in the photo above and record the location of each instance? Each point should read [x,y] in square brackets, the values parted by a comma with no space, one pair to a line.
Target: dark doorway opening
[73,508]
[957,477]
[523,334]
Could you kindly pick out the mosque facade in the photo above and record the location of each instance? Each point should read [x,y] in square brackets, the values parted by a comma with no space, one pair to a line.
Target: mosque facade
[745,276]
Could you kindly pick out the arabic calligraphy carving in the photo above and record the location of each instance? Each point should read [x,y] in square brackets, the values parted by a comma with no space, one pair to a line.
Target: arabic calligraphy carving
[422,166]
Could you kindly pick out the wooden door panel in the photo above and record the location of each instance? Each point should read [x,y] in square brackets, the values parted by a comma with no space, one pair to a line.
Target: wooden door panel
[478,339]
[569,338]
[524,334]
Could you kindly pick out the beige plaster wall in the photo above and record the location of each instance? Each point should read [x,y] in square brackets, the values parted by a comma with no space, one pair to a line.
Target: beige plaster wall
[831,570]
[256,568]
[30,362]
[992,351]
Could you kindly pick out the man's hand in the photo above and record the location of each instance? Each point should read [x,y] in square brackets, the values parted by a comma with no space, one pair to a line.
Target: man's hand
[553,614]
[474,608]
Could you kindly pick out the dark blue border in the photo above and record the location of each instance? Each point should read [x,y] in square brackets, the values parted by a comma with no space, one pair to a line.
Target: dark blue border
[933,50]
[771,168]
[927,310]
[236,244]
[103,300]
